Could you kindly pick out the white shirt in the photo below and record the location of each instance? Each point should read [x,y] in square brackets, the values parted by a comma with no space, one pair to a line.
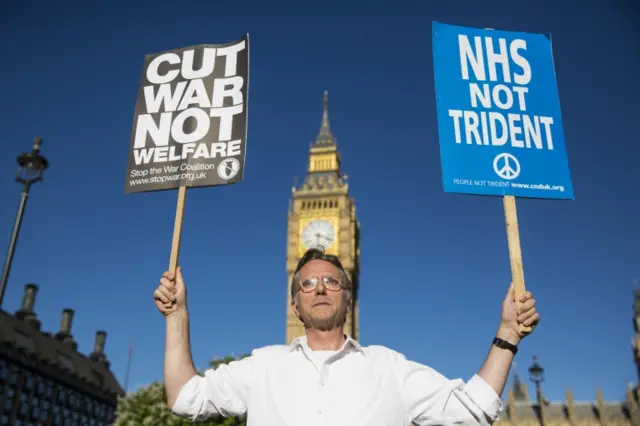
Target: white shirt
[292,385]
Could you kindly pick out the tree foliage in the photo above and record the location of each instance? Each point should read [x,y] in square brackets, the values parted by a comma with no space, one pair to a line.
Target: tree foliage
[148,406]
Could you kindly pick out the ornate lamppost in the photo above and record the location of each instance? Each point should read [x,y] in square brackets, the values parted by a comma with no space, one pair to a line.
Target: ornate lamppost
[536,375]
[635,341]
[31,167]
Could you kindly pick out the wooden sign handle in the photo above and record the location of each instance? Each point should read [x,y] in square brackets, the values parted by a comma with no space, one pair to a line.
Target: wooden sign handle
[177,230]
[515,251]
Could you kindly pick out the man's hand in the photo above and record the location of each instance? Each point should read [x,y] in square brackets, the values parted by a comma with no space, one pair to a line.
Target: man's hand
[495,369]
[171,300]
[514,315]
[171,294]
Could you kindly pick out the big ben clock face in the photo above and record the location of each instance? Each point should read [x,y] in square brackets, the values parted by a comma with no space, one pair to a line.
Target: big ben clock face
[318,233]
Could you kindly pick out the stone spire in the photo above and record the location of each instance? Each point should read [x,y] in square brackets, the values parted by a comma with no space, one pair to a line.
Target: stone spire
[520,391]
[325,137]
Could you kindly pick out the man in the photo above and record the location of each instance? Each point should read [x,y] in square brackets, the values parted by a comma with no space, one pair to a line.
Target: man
[325,377]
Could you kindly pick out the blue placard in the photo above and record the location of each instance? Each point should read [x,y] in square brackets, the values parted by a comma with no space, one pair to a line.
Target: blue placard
[499,120]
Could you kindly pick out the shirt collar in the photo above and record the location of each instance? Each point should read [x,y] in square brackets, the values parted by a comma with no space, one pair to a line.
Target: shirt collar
[301,342]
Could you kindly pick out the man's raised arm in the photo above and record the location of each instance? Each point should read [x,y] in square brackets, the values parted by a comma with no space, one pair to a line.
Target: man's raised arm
[223,391]
[178,363]
[430,397]
[171,300]
[495,370]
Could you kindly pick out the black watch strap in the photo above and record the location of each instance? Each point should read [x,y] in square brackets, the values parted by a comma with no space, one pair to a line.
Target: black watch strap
[503,344]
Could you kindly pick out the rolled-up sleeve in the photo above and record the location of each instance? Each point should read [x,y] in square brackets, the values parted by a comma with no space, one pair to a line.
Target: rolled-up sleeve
[223,391]
[484,396]
[431,398]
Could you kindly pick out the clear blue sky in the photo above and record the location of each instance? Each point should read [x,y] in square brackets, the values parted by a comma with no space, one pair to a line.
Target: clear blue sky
[434,265]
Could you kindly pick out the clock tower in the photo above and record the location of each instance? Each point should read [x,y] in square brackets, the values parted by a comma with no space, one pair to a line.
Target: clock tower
[323,213]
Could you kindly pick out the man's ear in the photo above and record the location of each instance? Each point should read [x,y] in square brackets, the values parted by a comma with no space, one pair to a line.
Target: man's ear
[294,307]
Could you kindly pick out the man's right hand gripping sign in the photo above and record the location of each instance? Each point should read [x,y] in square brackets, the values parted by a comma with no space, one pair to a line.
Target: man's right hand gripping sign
[170,296]
[326,377]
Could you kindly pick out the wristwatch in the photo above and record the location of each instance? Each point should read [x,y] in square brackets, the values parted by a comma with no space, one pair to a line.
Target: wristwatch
[503,344]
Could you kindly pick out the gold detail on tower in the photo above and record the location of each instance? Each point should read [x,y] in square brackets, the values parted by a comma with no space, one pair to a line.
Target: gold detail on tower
[323,162]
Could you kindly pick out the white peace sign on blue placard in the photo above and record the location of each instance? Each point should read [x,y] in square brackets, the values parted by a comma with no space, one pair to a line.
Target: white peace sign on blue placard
[506,166]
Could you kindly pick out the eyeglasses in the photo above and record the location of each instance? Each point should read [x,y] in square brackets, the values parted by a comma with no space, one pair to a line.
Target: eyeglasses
[329,282]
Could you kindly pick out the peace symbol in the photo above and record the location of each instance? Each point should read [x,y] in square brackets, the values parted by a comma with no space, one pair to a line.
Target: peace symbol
[228,168]
[506,166]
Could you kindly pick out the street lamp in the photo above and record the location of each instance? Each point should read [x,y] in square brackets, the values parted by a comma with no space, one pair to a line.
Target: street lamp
[31,167]
[536,372]
[536,375]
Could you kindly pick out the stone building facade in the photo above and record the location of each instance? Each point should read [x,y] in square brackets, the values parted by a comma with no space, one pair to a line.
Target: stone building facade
[45,380]
[527,412]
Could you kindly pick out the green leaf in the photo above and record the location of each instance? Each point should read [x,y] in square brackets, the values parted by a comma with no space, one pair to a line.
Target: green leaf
[148,406]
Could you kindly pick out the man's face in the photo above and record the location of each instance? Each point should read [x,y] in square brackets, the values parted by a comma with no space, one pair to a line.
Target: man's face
[320,309]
